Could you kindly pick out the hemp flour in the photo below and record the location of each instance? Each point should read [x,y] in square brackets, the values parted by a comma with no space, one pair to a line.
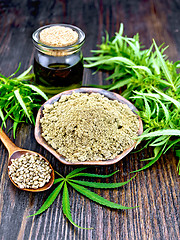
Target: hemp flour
[89,127]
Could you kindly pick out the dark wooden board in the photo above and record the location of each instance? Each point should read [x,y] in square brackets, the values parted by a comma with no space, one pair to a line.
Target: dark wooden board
[155,191]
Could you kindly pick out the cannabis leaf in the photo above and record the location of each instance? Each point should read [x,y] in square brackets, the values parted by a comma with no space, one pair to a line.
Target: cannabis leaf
[49,201]
[77,185]
[19,98]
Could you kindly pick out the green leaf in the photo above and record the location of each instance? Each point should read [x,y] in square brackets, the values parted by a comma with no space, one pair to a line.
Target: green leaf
[176,103]
[121,60]
[160,141]
[151,162]
[156,67]
[172,143]
[177,82]
[101,185]
[147,159]
[15,124]
[117,74]
[75,171]
[3,78]
[21,102]
[132,45]
[2,117]
[36,89]
[164,83]
[8,114]
[143,68]
[96,198]
[147,108]
[145,146]
[93,175]
[19,66]
[25,78]
[172,132]
[49,200]
[153,95]
[121,29]
[166,112]
[111,61]
[157,149]
[66,206]
[24,73]
[95,64]
[164,66]
[58,180]
[148,165]
[119,84]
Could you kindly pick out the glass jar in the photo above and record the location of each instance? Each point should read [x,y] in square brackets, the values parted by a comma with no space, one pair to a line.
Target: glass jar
[58,68]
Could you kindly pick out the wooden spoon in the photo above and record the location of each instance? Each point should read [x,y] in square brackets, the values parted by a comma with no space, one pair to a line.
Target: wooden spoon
[16,152]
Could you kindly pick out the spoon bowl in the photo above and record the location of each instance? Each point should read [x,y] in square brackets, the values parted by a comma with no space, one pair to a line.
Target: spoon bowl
[16,152]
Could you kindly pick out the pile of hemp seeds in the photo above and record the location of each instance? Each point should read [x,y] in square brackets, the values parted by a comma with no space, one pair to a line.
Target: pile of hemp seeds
[30,171]
[89,127]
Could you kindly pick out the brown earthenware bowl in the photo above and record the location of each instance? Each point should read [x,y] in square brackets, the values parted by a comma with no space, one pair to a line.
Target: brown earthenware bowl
[110,95]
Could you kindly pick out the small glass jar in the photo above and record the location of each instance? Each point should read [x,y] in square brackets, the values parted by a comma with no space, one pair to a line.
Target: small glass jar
[58,68]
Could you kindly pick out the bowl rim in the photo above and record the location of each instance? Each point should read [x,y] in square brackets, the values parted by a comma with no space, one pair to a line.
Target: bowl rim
[108,94]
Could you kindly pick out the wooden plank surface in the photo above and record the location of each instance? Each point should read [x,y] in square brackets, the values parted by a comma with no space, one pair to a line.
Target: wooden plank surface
[155,191]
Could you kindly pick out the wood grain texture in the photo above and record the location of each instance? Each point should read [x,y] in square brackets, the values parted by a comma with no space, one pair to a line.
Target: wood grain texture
[155,191]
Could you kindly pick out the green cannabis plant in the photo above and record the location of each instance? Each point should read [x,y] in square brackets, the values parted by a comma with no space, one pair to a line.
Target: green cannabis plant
[80,186]
[19,98]
[151,82]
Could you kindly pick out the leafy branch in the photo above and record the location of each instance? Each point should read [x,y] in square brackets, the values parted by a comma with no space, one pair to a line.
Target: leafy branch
[153,84]
[19,98]
[78,185]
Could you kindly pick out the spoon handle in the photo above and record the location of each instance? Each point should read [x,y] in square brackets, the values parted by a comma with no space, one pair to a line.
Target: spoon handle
[11,147]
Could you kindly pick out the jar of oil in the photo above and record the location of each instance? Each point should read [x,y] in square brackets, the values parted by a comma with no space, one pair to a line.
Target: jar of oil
[58,60]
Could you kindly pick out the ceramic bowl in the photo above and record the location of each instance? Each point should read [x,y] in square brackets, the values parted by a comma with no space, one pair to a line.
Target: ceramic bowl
[110,95]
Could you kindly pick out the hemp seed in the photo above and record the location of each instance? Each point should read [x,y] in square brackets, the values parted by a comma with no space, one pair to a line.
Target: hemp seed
[58,36]
[26,171]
